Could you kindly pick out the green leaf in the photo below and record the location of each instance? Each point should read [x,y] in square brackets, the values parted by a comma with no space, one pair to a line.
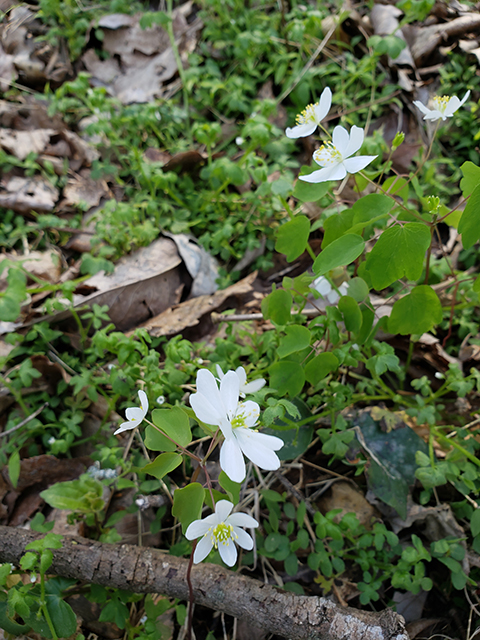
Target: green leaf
[320,366]
[352,316]
[61,613]
[115,611]
[9,625]
[77,495]
[471,178]
[309,192]
[368,317]
[175,423]
[371,207]
[339,253]
[469,225]
[287,377]
[14,468]
[337,226]
[297,338]
[475,523]
[232,488]
[163,464]
[417,312]
[296,440]
[397,187]
[276,306]
[400,251]
[358,289]
[476,285]
[292,237]
[187,504]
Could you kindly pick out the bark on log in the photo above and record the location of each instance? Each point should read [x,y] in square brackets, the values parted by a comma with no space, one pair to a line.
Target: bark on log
[427,39]
[145,570]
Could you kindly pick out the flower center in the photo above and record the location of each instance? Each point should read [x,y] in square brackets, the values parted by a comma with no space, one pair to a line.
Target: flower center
[222,533]
[441,102]
[327,154]
[307,115]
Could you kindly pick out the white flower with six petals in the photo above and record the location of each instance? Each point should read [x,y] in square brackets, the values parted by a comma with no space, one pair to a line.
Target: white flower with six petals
[220,407]
[334,157]
[221,530]
[325,289]
[444,107]
[245,387]
[134,415]
[311,116]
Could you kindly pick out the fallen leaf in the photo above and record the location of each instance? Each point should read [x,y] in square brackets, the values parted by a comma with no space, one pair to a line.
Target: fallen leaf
[345,496]
[82,189]
[189,313]
[25,195]
[21,143]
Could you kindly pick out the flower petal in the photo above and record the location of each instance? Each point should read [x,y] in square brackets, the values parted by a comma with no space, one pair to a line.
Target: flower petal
[143,401]
[435,115]
[231,460]
[256,451]
[125,426]
[204,409]
[243,539]
[241,375]
[323,106]
[352,165]
[208,387]
[226,428]
[242,520]
[220,373]
[266,440]
[134,413]
[254,385]
[464,99]
[340,139]
[230,391]
[202,549]
[228,552]
[357,135]
[322,175]
[322,285]
[250,412]
[196,529]
[301,130]
[425,110]
[223,509]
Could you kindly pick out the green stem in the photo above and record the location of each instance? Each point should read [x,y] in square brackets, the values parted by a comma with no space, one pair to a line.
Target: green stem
[44,608]
[458,447]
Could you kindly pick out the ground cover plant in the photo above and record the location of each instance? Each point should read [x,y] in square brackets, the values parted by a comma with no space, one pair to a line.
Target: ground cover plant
[239,320]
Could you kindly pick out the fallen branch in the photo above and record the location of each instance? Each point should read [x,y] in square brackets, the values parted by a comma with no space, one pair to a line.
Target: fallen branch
[144,570]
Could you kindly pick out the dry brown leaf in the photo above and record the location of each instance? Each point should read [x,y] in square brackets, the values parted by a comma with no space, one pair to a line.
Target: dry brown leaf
[141,60]
[189,313]
[25,195]
[81,188]
[42,264]
[349,499]
[384,19]
[21,143]
[143,284]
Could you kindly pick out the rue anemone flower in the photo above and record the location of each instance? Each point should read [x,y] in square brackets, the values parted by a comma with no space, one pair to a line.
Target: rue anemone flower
[334,157]
[221,408]
[309,119]
[221,530]
[325,289]
[245,387]
[443,107]
[134,415]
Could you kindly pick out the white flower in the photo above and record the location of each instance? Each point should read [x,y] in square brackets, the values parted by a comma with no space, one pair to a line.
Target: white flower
[134,415]
[311,116]
[222,409]
[51,441]
[245,387]
[444,107]
[161,399]
[335,158]
[325,289]
[221,530]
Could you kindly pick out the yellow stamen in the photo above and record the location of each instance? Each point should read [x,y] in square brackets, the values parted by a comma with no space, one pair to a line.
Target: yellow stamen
[327,154]
[222,533]
[307,115]
[441,103]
